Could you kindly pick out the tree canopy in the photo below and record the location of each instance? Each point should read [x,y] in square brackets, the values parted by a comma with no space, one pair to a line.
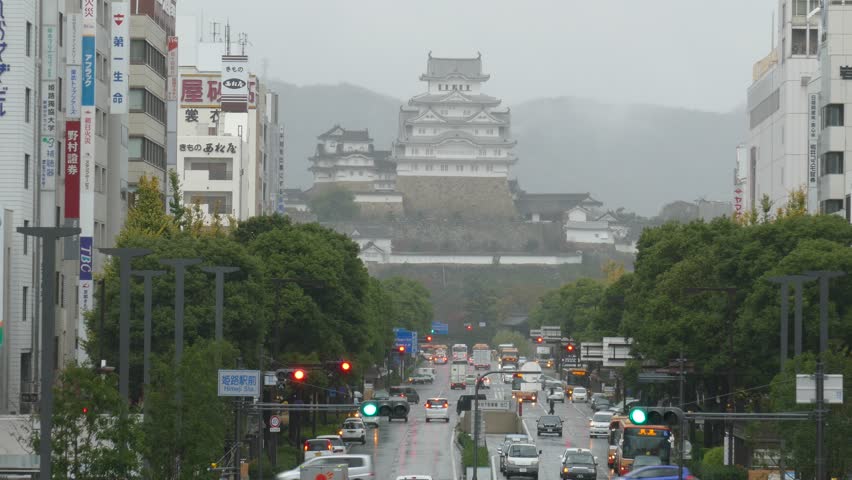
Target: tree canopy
[334,204]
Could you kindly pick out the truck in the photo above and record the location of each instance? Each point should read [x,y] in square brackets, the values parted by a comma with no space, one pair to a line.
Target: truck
[457,374]
[509,356]
[481,356]
[544,355]
[526,385]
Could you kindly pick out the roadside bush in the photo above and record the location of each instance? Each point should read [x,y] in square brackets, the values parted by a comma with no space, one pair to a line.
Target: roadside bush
[722,472]
[466,443]
[713,457]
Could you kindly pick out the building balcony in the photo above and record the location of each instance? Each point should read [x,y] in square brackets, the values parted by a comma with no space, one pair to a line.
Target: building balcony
[831,187]
[207,180]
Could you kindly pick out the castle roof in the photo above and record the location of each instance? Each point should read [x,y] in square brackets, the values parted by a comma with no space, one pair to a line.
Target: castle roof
[454,98]
[466,68]
[492,118]
[458,135]
[343,135]
[553,204]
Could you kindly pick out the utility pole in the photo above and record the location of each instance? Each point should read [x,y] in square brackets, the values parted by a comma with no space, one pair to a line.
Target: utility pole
[824,277]
[49,236]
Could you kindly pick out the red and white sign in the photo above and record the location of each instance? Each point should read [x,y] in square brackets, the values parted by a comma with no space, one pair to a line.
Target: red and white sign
[205,91]
[274,424]
[172,69]
[72,169]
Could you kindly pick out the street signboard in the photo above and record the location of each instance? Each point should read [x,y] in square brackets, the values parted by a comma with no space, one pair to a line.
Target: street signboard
[239,383]
[274,423]
[535,332]
[439,328]
[494,404]
[832,387]
[551,332]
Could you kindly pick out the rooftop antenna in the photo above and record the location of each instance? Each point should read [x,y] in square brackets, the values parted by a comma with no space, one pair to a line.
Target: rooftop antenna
[772,33]
[243,41]
[228,37]
[214,35]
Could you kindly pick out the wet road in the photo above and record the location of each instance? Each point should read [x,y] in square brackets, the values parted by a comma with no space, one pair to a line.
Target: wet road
[420,448]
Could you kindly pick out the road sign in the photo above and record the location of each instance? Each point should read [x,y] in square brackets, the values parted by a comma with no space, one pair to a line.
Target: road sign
[239,383]
[494,404]
[405,338]
[440,328]
[806,389]
[274,423]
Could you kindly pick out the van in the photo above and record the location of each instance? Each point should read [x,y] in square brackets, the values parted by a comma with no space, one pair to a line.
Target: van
[522,460]
[427,371]
[408,392]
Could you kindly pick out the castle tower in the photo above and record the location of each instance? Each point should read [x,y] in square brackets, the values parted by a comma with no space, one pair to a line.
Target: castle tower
[454,147]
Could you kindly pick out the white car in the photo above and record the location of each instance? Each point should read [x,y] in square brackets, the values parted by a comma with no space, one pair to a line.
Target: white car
[579,395]
[437,409]
[353,430]
[558,395]
[599,424]
[337,444]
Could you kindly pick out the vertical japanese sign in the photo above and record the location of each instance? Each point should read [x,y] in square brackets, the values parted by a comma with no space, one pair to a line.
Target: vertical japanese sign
[72,169]
[49,98]
[87,159]
[120,56]
[813,137]
[73,55]
[4,67]
[235,87]
[172,69]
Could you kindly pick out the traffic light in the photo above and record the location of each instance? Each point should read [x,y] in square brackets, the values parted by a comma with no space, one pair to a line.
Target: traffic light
[299,375]
[369,409]
[539,340]
[570,348]
[669,416]
[428,338]
[345,367]
[432,331]
[85,410]
[468,326]
[400,349]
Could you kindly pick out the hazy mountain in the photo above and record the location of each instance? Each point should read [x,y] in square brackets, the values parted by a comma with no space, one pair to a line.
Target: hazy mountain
[637,156]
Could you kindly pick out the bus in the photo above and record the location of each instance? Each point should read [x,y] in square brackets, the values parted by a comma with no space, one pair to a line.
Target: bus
[627,440]
[459,353]
[576,377]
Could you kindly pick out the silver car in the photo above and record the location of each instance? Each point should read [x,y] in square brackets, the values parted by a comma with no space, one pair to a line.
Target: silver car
[360,466]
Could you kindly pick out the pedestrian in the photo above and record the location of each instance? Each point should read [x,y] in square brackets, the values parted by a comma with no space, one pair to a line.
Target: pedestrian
[552,406]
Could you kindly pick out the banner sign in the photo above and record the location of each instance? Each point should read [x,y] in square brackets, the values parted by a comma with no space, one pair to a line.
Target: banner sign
[88,71]
[172,69]
[200,90]
[235,83]
[813,137]
[74,39]
[120,56]
[72,169]
[4,67]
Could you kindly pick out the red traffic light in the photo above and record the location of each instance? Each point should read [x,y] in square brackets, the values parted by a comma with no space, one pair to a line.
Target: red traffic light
[469,327]
[85,410]
[428,338]
[401,349]
[539,340]
[569,348]
[345,366]
[299,375]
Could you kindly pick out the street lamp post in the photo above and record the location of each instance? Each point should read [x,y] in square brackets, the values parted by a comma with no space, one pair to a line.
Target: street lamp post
[49,236]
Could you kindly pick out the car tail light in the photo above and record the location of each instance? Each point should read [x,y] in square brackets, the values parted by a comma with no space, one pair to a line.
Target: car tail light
[306,446]
[428,405]
[330,447]
[446,405]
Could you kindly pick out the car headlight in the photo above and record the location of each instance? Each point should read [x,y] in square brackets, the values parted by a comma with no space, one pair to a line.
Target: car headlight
[565,469]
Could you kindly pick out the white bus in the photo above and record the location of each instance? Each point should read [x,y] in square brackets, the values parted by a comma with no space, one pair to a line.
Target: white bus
[459,353]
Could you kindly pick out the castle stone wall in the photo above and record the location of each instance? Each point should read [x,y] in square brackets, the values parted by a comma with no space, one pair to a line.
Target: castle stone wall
[457,197]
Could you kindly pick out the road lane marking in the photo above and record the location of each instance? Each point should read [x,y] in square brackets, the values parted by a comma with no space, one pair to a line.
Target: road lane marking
[451,444]
[493,468]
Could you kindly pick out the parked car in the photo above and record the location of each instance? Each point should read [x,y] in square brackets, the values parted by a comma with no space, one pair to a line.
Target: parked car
[657,472]
[318,447]
[360,466]
[549,424]
[593,400]
[579,395]
[336,443]
[578,464]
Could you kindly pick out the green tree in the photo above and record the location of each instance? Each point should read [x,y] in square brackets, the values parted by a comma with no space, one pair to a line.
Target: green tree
[410,303]
[574,307]
[147,217]
[480,302]
[182,439]
[334,204]
[176,207]
[88,425]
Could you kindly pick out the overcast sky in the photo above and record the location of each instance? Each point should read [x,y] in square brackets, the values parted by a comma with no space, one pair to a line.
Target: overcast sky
[684,53]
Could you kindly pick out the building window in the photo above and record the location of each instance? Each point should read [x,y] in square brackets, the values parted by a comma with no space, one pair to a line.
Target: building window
[813,41]
[216,168]
[143,53]
[26,367]
[445,168]
[474,168]
[421,131]
[483,152]
[27,94]
[59,94]
[832,115]
[429,167]
[26,171]
[29,39]
[57,218]
[831,206]
[489,168]
[459,168]
[467,87]
[56,289]
[848,210]
[25,294]
[61,27]
[489,131]
[800,7]
[831,163]
[798,43]
[143,101]
[143,149]
[100,122]
[26,237]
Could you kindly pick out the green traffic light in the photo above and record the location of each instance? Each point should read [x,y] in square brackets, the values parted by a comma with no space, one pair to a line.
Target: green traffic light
[638,416]
[369,409]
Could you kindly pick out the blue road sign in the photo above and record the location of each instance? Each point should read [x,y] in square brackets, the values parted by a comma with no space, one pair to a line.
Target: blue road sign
[440,328]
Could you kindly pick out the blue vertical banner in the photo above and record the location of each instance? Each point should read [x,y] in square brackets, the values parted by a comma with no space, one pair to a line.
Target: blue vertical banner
[88,89]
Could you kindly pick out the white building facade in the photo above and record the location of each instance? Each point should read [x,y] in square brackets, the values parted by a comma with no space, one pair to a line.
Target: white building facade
[778,109]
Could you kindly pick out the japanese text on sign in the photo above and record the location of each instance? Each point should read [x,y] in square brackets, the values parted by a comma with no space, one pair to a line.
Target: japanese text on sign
[4,67]
[120,53]
[208,148]
[207,91]
[239,383]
